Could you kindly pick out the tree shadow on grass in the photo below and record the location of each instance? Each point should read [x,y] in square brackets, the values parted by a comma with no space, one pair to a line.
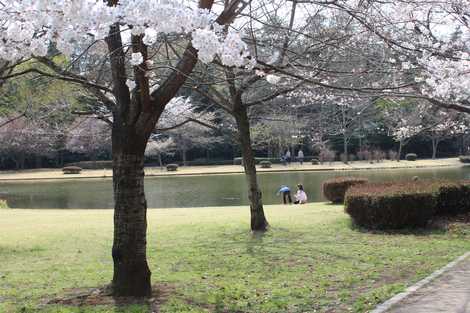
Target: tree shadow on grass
[82,298]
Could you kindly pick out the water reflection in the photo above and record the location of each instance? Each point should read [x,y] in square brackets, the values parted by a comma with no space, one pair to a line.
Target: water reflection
[195,191]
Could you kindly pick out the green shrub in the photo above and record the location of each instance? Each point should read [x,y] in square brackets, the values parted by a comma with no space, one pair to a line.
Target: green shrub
[238,161]
[335,189]
[265,164]
[391,206]
[315,162]
[464,158]
[172,167]
[92,165]
[411,157]
[71,170]
[205,162]
[451,198]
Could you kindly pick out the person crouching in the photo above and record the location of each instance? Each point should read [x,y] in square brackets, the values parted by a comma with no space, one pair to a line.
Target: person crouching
[300,196]
[285,191]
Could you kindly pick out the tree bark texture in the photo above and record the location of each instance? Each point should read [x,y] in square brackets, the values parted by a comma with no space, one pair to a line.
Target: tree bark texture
[258,219]
[131,275]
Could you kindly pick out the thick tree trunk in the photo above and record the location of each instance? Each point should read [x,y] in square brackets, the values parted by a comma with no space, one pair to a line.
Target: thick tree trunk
[131,272]
[258,219]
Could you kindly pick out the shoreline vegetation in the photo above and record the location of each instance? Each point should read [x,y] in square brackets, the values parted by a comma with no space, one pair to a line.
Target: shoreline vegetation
[57,174]
[207,260]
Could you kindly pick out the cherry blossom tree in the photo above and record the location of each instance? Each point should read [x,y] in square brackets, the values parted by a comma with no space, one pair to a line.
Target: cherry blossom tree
[22,138]
[89,136]
[158,147]
[441,125]
[188,128]
[125,35]
[404,121]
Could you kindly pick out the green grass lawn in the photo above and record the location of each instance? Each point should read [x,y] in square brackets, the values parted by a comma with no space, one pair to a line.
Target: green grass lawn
[206,260]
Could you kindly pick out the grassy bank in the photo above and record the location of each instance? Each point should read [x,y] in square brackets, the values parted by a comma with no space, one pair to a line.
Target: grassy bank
[43,174]
[205,260]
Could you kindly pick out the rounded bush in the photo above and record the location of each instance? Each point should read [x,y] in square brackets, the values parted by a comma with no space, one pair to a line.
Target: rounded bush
[265,164]
[315,162]
[172,167]
[391,206]
[71,170]
[464,158]
[238,161]
[335,189]
[411,157]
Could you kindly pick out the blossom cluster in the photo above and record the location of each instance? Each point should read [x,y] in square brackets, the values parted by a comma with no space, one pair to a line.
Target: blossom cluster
[29,27]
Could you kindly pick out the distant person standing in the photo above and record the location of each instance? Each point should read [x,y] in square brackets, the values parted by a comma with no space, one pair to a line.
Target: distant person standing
[300,156]
[282,158]
[285,191]
[288,156]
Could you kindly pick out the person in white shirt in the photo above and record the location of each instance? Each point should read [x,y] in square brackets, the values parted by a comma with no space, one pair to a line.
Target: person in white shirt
[288,156]
[300,156]
[300,196]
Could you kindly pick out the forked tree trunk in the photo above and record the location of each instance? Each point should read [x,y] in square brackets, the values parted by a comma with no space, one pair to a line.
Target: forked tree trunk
[131,272]
[258,219]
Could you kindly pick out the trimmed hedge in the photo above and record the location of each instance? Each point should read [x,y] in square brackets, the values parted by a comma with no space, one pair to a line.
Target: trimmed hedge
[71,170]
[464,158]
[239,160]
[452,197]
[265,164]
[391,206]
[335,189]
[411,157]
[92,165]
[206,162]
[172,167]
[401,204]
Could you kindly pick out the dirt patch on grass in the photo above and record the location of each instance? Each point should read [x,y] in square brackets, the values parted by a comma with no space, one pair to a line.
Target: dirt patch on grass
[83,297]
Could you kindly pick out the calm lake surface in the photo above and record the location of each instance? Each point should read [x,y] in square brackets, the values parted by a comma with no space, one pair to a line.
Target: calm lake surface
[195,191]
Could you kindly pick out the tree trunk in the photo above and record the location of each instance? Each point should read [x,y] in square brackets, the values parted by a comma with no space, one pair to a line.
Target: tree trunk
[22,160]
[400,147]
[345,149]
[131,272]
[435,144]
[160,160]
[183,154]
[38,162]
[258,219]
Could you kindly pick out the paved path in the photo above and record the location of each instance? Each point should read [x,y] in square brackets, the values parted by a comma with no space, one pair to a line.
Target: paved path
[448,293]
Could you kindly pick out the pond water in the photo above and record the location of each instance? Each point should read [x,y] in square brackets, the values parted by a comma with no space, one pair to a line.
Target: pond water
[194,191]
